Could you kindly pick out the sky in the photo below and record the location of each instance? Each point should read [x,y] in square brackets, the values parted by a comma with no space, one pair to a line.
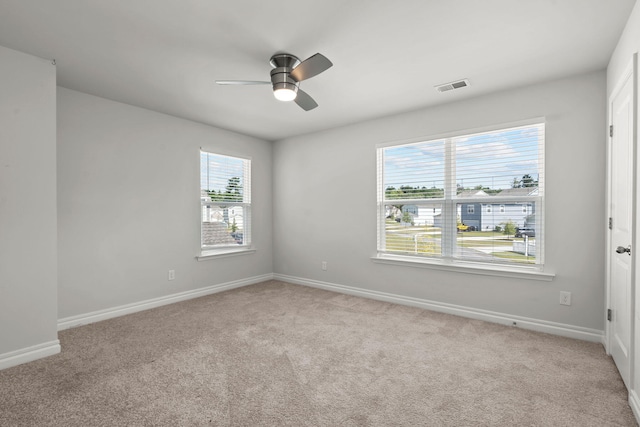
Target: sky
[491,159]
[215,171]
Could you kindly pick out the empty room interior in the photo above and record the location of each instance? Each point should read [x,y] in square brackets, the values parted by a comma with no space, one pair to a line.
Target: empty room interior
[319,213]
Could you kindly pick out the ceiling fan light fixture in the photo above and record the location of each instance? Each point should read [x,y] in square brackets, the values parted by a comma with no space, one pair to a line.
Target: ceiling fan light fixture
[285,92]
[287,73]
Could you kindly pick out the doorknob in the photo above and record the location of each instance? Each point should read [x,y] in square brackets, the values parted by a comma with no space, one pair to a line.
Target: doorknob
[622,250]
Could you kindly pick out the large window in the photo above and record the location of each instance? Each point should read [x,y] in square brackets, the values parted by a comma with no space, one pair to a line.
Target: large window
[431,196]
[225,198]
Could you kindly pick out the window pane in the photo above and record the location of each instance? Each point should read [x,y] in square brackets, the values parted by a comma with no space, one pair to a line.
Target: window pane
[222,225]
[225,197]
[499,160]
[414,229]
[414,171]
[488,183]
[494,235]
[223,177]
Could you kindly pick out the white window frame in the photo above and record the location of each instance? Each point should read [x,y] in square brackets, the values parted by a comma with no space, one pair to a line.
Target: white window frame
[449,214]
[208,252]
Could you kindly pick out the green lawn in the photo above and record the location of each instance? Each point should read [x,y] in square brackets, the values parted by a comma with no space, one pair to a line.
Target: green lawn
[515,257]
[425,240]
[425,245]
[484,243]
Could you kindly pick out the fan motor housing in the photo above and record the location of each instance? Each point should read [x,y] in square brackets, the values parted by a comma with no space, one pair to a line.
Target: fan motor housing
[281,78]
[284,60]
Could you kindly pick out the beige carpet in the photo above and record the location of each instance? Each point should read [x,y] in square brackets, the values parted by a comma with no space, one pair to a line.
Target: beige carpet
[276,354]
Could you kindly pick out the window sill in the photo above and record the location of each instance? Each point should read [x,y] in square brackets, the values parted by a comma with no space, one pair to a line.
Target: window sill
[224,253]
[465,267]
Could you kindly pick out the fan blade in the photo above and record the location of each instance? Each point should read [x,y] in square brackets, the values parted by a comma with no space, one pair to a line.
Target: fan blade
[310,67]
[305,101]
[241,82]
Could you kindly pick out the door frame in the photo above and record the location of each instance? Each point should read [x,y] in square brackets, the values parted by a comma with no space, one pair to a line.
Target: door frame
[630,72]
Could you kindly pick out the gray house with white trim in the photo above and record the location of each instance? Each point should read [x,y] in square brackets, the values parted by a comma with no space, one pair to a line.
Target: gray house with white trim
[486,216]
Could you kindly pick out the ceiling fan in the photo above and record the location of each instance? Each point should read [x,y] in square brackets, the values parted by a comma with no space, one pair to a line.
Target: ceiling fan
[287,73]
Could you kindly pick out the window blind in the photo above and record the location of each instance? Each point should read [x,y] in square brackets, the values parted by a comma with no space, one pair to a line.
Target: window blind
[225,178]
[225,196]
[472,197]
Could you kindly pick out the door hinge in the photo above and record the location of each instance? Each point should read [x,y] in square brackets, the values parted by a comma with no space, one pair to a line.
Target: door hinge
[610,223]
[609,314]
[611,131]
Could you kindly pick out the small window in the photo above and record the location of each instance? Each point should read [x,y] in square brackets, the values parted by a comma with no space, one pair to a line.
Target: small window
[225,198]
[470,209]
[488,208]
[501,208]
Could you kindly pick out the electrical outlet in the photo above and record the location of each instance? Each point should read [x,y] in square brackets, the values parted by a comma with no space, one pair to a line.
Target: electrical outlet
[565,298]
[324,265]
[172,275]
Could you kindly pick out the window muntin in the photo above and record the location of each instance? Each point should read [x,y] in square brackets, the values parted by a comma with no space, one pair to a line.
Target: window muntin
[225,199]
[505,166]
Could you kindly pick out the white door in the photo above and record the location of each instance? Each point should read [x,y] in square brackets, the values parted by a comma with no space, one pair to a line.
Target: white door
[621,225]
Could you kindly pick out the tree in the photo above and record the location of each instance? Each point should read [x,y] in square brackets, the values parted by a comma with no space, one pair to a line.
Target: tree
[508,228]
[528,181]
[407,219]
[409,192]
[232,193]
[217,196]
[515,183]
[233,188]
[525,182]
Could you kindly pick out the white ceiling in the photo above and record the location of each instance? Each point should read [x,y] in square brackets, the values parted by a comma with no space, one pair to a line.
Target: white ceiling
[165,55]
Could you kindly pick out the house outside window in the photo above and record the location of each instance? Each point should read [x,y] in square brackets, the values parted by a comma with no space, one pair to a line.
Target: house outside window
[225,199]
[502,167]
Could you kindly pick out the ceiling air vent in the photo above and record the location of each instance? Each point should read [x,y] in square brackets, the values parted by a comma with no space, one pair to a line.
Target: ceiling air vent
[453,85]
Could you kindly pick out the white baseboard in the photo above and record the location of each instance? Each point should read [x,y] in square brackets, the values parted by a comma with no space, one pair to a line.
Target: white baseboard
[634,402]
[554,328]
[29,354]
[109,313]
[561,329]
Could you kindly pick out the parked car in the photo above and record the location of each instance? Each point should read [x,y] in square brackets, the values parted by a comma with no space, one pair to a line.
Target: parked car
[524,231]
[462,227]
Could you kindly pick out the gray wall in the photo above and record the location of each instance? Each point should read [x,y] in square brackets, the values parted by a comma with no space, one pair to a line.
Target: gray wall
[129,204]
[28,254]
[325,204]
